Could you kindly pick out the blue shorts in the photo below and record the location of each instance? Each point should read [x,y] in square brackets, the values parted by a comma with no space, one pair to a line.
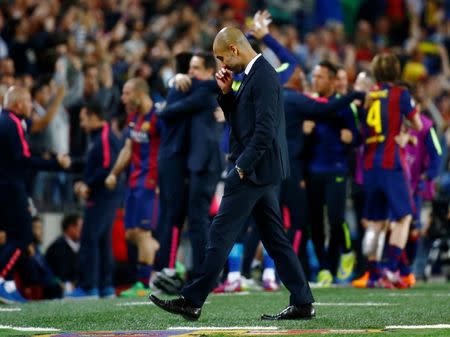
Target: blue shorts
[387,195]
[141,208]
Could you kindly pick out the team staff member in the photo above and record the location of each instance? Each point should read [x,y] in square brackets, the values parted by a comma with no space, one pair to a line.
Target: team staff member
[204,157]
[140,152]
[15,161]
[96,260]
[328,168]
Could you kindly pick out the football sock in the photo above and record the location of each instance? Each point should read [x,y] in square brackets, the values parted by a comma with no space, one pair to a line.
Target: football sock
[374,270]
[143,273]
[394,256]
[235,258]
[403,265]
[269,267]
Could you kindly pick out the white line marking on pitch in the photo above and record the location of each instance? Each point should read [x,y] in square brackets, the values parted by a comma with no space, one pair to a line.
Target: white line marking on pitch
[10,309]
[240,293]
[407,327]
[224,328]
[366,304]
[132,304]
[16,328]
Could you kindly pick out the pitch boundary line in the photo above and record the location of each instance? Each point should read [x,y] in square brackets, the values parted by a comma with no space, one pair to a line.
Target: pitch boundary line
[412,327]
[356,304]
[223,328]
[31,329]
[10,309]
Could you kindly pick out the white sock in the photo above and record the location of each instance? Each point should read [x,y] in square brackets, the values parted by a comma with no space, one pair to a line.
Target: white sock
[234,276]
[10,286]
[268,274]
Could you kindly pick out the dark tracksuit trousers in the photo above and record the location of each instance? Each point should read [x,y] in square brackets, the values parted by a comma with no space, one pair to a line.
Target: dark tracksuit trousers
[327,189]
[96,259]
[294,197]
[172,176]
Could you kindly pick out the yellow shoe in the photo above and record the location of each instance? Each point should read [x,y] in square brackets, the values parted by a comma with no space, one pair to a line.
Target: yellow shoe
[324,278]
[362,281]
[137,290]
[345,269]
[409,280]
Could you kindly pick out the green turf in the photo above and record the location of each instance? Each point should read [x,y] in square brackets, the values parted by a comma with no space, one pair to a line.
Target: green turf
[423,305]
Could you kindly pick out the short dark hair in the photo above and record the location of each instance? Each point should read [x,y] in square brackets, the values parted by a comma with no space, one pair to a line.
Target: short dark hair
[41,82]
[95,108]
[332,68]
[255,44]
[209,60]
[182,62]
[69,220]
[36,218]
[385,67]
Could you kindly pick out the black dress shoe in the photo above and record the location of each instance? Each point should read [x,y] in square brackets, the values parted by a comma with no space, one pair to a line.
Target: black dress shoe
[178,306]
[292,312]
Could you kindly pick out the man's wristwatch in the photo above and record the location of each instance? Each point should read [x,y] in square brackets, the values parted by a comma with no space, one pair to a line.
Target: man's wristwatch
[238,169]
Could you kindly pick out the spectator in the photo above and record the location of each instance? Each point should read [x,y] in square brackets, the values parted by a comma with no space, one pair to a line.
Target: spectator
[62,254]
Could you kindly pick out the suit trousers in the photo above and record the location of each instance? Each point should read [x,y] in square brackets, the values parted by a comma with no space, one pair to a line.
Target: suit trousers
[202,186]
[241,199]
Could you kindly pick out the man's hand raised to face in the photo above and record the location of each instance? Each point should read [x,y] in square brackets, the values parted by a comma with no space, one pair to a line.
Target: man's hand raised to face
[224,78]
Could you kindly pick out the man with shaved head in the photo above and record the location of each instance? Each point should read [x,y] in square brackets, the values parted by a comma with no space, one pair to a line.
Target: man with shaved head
[139,153]
[259,151]
[15,163]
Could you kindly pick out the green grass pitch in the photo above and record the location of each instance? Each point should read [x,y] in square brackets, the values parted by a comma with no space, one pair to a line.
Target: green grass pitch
[337,309]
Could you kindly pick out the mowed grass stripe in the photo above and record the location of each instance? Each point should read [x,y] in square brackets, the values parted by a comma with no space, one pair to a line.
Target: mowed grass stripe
[245,311]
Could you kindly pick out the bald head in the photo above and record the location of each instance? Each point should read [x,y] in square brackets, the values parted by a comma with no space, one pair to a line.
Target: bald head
[232,48]
[230,36]
[136,95]
[18,99]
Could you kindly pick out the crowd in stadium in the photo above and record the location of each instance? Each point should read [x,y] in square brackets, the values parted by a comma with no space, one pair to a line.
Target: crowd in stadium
[112,105]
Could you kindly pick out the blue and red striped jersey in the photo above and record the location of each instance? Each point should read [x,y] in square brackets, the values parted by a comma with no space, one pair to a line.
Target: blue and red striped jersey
[382,123]
[144,132]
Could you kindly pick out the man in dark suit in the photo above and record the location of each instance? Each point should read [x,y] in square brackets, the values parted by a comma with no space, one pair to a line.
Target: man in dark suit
[259,151]
[204,156]
[62,255]
[172,174]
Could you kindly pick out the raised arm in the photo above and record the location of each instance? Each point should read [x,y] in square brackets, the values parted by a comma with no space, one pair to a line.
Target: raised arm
[197,100]
[40,123]
[310,108]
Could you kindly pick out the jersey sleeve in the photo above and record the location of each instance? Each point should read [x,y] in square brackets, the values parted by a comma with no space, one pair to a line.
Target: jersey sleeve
[407,105]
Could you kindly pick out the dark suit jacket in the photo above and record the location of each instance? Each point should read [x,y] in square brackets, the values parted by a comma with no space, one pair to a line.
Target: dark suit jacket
[63,260]
[258,128]
[174,135]
[204,131]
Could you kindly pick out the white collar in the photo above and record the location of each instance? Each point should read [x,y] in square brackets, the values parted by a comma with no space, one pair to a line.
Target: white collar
[75,246]
[250,64]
